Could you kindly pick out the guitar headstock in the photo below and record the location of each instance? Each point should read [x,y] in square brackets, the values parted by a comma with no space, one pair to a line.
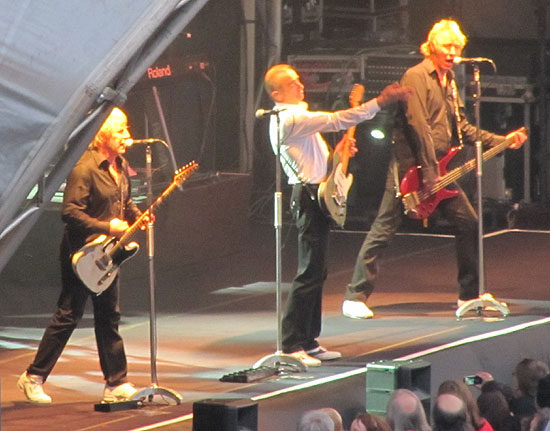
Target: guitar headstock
[356,95]
[184,172]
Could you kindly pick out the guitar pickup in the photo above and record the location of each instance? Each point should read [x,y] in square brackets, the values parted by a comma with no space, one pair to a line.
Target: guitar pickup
[410,202]
[103,262]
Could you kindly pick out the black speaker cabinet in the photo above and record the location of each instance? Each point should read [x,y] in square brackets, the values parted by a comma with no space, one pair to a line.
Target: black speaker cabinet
[225,415]
[383,377]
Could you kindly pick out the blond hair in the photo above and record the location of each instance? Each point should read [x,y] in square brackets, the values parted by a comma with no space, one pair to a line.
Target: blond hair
[112,123]
[444,26]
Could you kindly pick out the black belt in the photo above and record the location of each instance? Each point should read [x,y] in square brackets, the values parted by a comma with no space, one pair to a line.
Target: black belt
[310,189]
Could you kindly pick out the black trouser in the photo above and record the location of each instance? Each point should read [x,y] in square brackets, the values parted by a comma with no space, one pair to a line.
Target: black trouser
[70,308]
[457,210]
[301,323]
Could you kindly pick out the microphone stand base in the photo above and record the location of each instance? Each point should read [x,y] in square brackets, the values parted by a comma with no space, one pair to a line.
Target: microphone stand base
[483,302]
[150,392]
[282,362]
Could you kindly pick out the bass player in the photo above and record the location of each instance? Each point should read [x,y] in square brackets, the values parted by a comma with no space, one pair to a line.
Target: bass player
[96,201]
[304,158]
[426,127]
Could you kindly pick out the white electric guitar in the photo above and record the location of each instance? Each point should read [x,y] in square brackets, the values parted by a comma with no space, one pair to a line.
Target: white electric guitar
[97,262]
[333,192]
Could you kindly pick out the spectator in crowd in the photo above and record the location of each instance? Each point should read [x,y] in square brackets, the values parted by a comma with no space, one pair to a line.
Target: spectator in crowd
[316,420]
[405,412]
[450,414]
[527,374]
[494,407]
[335,416]
[496,386]
[518,422]
[459,388]
[541,419]
[369,422]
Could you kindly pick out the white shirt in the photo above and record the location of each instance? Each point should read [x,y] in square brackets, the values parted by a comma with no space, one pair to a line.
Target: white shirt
[304,152]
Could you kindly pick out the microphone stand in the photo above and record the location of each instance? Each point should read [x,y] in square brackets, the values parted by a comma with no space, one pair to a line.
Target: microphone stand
[484,300]
[279,360]
[154,389]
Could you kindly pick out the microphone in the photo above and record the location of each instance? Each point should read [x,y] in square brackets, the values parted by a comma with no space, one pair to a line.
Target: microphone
[261,113]
[459,60]
[129,142]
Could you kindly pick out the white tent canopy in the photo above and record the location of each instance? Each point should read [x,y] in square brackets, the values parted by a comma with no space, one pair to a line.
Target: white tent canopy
[63,65]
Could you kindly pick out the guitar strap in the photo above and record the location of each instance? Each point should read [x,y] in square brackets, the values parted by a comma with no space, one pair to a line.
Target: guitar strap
[121,182]
[454,91]
[398,194]
[305,185]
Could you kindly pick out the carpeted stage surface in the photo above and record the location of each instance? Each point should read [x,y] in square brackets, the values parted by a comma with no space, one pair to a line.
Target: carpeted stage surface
[218,316]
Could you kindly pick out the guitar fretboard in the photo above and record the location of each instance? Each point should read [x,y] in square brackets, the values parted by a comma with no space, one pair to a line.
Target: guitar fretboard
[460,171]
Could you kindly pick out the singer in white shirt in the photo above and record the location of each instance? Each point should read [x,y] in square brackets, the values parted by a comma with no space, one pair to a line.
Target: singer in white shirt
[304,158]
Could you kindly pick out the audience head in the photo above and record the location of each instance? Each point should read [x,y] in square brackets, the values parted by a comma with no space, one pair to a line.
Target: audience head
[528,373]
[496,386]
[369,422]
[316,420]
[335,417]
[543,392]
[494,407]
[461,390]
[449,414]
[405,412]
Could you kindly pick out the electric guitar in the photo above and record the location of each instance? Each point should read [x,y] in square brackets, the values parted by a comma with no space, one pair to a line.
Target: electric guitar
[420,203]
[333,192]
[97,262]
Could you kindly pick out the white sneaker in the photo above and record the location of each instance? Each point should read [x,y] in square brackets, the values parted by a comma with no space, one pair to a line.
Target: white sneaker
[356,310]
[323,354]
[31,385]
[305,359]
[123,392]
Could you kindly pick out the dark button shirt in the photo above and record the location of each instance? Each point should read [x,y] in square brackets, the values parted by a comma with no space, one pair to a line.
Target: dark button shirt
[426,125]
[92,198]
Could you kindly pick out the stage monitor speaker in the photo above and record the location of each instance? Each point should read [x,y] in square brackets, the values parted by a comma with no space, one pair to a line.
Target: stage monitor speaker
[225,415]
[383,377]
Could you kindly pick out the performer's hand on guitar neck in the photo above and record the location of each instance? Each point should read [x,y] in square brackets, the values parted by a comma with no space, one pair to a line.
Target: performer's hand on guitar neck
[519,138]
[349,142]
[117,227]
[146,219]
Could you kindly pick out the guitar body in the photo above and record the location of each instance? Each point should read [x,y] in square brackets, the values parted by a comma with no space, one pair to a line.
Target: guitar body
[333,192]
[412,183]
[95,268]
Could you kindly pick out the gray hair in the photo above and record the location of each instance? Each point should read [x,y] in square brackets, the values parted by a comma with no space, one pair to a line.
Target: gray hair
[316,420]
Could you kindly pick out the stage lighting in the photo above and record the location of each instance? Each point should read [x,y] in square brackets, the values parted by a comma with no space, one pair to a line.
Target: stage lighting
[378,134]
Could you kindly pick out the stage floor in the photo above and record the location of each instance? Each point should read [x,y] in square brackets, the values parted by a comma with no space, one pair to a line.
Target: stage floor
[219,317]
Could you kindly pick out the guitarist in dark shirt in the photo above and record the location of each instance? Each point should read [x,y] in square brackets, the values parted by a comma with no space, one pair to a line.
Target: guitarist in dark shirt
[426,126]
[96,201]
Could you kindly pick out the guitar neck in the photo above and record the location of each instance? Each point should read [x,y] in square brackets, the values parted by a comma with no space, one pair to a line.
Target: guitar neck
[470,165]
[344,159]
[129,233]
[180,177]
[355,98]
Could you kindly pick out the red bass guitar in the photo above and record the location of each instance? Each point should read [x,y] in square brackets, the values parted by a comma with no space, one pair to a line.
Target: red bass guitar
[420,203]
